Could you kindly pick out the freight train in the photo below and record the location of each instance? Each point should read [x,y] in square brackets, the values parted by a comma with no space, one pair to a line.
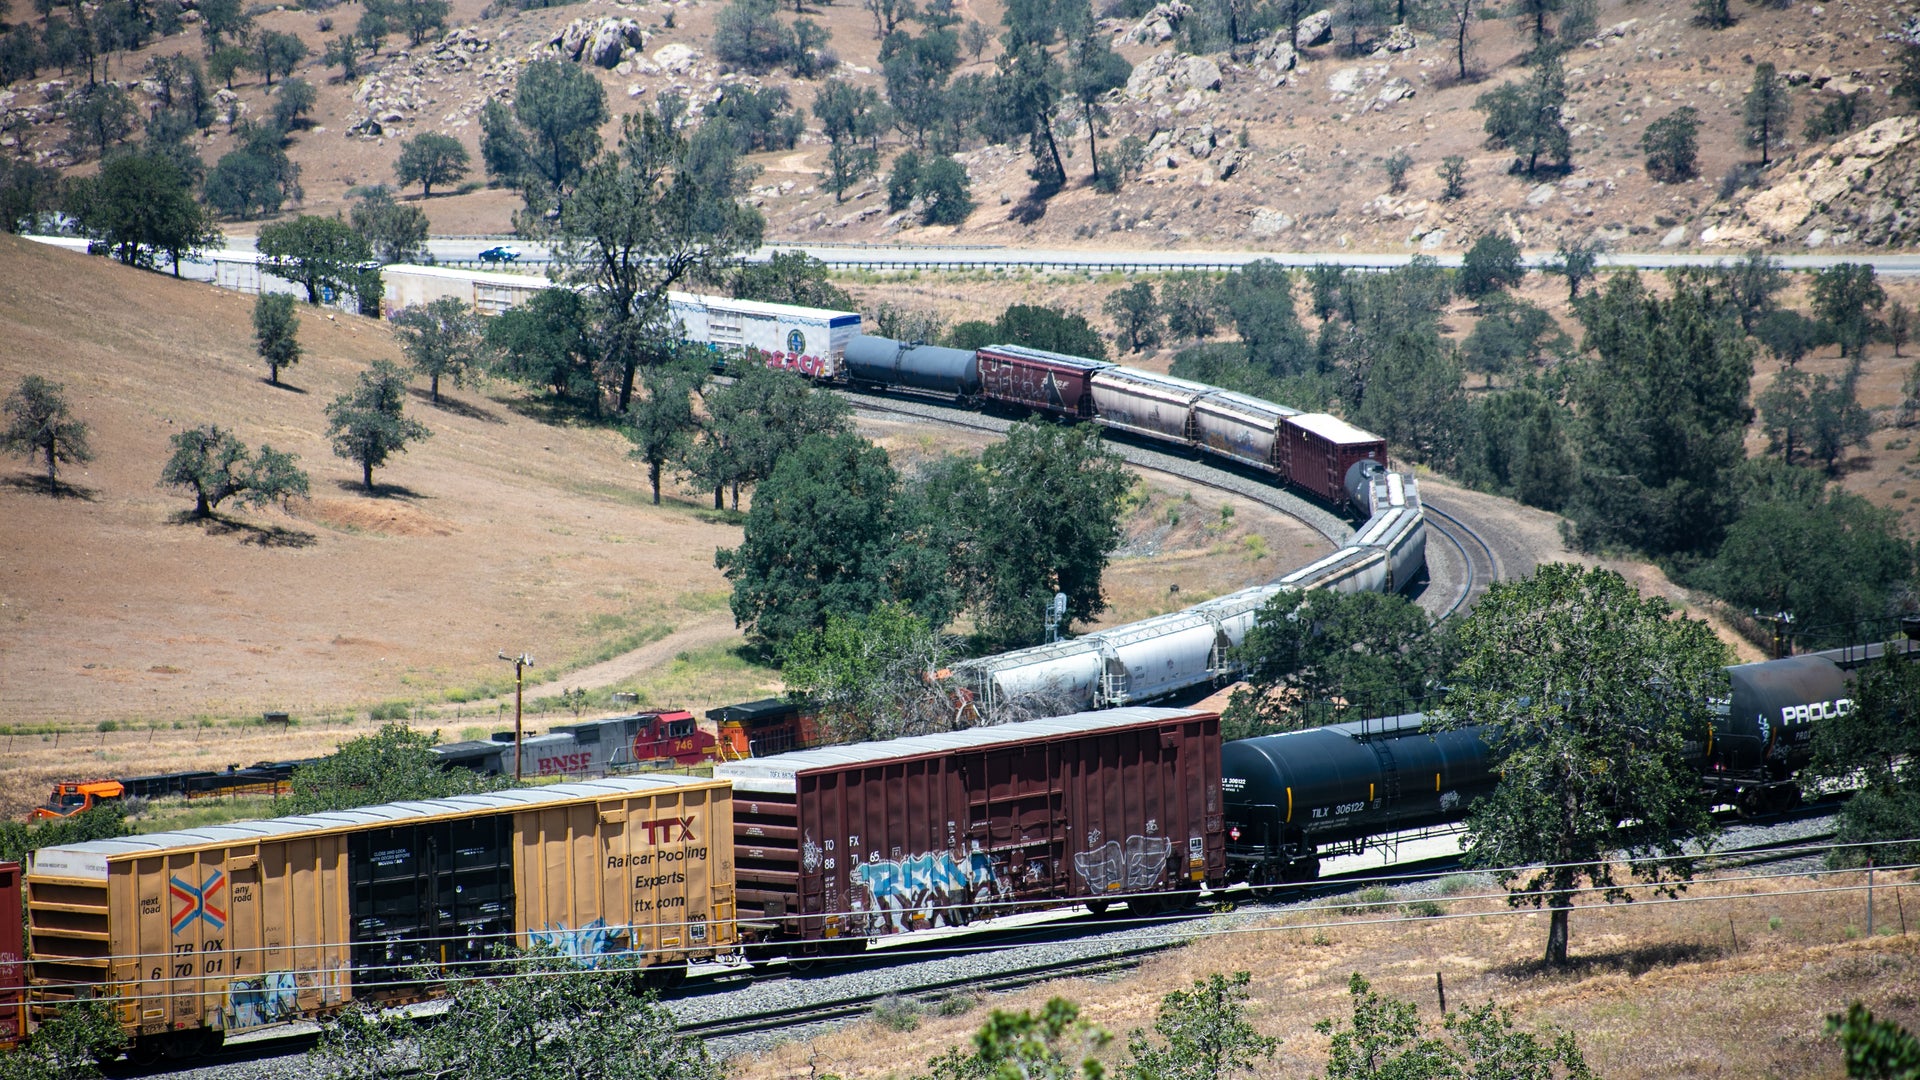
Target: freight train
[1330,460]
[202,932]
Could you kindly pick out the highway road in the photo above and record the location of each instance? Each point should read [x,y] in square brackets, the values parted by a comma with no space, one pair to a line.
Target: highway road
[465,251]
[909,257]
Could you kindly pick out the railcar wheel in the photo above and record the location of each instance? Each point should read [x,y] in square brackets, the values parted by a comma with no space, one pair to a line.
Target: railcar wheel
[147,1051]
[1099,907]
[1266,882]
[660,977]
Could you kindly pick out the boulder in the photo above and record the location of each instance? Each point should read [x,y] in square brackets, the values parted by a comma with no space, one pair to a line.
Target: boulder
[1395,90]
[1167,72]
[676,59]
[1276,53]
[1345,81]
[613,39]
[1158,25]
[573,38]
[1399,38]
[1268,222]
[1316,29]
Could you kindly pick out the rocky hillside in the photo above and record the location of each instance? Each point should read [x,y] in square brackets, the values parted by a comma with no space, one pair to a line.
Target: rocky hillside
[1858,192]
[1266,147]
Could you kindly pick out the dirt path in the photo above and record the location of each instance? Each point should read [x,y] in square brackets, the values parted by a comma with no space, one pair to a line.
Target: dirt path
[707,630]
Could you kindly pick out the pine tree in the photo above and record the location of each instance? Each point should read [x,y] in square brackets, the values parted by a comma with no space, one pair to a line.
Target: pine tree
[1767,110]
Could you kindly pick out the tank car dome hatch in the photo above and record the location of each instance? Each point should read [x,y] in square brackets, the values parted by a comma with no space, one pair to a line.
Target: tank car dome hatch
[1359,483]
[1772,711]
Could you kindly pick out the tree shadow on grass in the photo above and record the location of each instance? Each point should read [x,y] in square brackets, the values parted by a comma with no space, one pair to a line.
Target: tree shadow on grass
[288,387]
[379,490]
[457,408]
[550,410]
[1635,961]
[270,536]
[31,484]
[1030,209]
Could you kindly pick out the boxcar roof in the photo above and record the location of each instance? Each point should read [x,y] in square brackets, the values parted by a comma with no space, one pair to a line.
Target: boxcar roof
[452,273]
[1332,428]
[783,768]
[244,832]
[715,302]
[1021,352]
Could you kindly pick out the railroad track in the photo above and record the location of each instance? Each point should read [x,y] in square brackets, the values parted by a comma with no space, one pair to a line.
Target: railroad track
[1479,561]
[1481,565]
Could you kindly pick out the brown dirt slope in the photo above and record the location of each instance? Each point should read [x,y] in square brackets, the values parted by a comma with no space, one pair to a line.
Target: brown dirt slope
[497,532]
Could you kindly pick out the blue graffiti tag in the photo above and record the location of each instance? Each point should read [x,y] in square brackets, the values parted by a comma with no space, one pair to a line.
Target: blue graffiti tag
[587,945]
[253,1003]
[932,888]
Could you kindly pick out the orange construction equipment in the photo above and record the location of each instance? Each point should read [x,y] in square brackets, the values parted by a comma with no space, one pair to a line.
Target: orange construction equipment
[73,797]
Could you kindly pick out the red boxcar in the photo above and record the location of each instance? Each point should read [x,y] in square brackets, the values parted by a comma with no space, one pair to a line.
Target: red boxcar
[1049,382]
[862,841]
[1321,448]
[13,957]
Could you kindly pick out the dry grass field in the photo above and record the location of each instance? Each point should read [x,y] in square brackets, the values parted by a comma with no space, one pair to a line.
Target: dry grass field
[1656,990]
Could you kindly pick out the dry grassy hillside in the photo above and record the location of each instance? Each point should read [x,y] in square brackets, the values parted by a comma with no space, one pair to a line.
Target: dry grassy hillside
[498,532]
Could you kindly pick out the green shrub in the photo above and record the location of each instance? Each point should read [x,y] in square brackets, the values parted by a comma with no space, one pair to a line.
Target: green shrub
[955,1005]
[1425,909]
[390,710]
[896,1014]
[1364,902]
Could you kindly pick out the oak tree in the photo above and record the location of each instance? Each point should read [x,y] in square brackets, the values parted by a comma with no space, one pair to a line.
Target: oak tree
[40,424]
[274,329]
[430,158]
[319,254]
[369,424]
[1587,695]
[214,465]
[442,338]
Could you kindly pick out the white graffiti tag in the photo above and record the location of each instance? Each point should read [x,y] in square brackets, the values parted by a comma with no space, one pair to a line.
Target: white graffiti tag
[1133,867]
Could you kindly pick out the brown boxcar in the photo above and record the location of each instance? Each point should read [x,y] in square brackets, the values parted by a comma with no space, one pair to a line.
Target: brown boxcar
[1320,450]
[233,927]
[855,842]
[13,958]
[1049,382]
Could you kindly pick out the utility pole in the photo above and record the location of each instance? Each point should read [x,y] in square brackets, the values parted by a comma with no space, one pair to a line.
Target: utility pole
[520,664]
[1781,621]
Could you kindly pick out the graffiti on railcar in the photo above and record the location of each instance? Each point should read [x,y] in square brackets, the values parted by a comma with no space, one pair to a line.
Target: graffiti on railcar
[928,889]
[587,944]
[1134,866]
[269,999]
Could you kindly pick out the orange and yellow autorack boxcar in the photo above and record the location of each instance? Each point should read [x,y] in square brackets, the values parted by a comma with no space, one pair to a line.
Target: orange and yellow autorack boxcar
[198,933]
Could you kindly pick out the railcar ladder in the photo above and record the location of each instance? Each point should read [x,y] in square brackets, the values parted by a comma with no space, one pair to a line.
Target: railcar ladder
[1389,770]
